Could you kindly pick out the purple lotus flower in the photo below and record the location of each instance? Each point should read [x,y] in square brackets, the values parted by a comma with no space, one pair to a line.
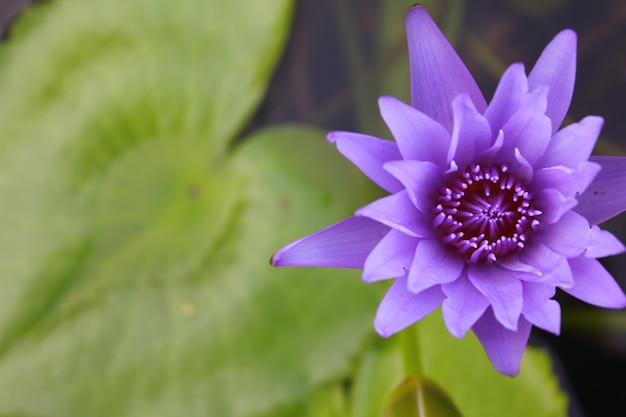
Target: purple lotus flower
[491,207]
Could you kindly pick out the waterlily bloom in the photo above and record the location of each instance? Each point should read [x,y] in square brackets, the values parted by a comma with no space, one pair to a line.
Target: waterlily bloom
[491,206]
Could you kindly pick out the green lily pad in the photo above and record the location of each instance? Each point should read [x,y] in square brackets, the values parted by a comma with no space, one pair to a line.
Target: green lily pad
[134,250]
[168,306]
[114,75]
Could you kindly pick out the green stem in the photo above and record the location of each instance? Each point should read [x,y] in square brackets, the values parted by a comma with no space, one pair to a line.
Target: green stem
[411,351]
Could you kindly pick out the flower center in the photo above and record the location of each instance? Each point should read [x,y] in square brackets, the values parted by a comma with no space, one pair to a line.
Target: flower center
[485,213]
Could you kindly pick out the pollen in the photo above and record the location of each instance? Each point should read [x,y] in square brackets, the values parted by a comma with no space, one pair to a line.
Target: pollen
[485,213]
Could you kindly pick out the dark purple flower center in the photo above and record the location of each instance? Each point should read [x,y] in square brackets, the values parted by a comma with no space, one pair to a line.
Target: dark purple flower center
[485,213]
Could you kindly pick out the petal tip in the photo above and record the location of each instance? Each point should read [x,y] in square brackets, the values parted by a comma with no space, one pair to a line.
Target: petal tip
[415,10]
[567,38]
[509,372]
[598,121]
[568,35]
[384,101]
[382,330]
[276,260]
[618,304]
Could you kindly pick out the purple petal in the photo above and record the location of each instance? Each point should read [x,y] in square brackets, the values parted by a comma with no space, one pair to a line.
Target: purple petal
[391,258]
[556,177]
[539,309]
[502,289]
[397,211]
[554,268]
[553,205]
[489,155]
[568,237]
[369,154]
[400,308]
[464,305]
[513,263]
[520,167]
[503,346]
[344,245]
[528,130]
[594,285]
[437,73]
[605,197]
[418,136]
[471,132]
[433,264]
[573,144]
[556,69]
[422,181]
[569,182]
[603,243]
[508,97]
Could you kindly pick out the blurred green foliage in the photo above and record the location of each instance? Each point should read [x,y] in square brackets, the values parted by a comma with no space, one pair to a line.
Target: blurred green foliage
[134,276]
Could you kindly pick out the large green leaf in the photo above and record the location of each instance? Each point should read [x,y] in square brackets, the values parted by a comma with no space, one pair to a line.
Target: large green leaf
[86,82]
[167,305]
[104,69]
[134,250]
